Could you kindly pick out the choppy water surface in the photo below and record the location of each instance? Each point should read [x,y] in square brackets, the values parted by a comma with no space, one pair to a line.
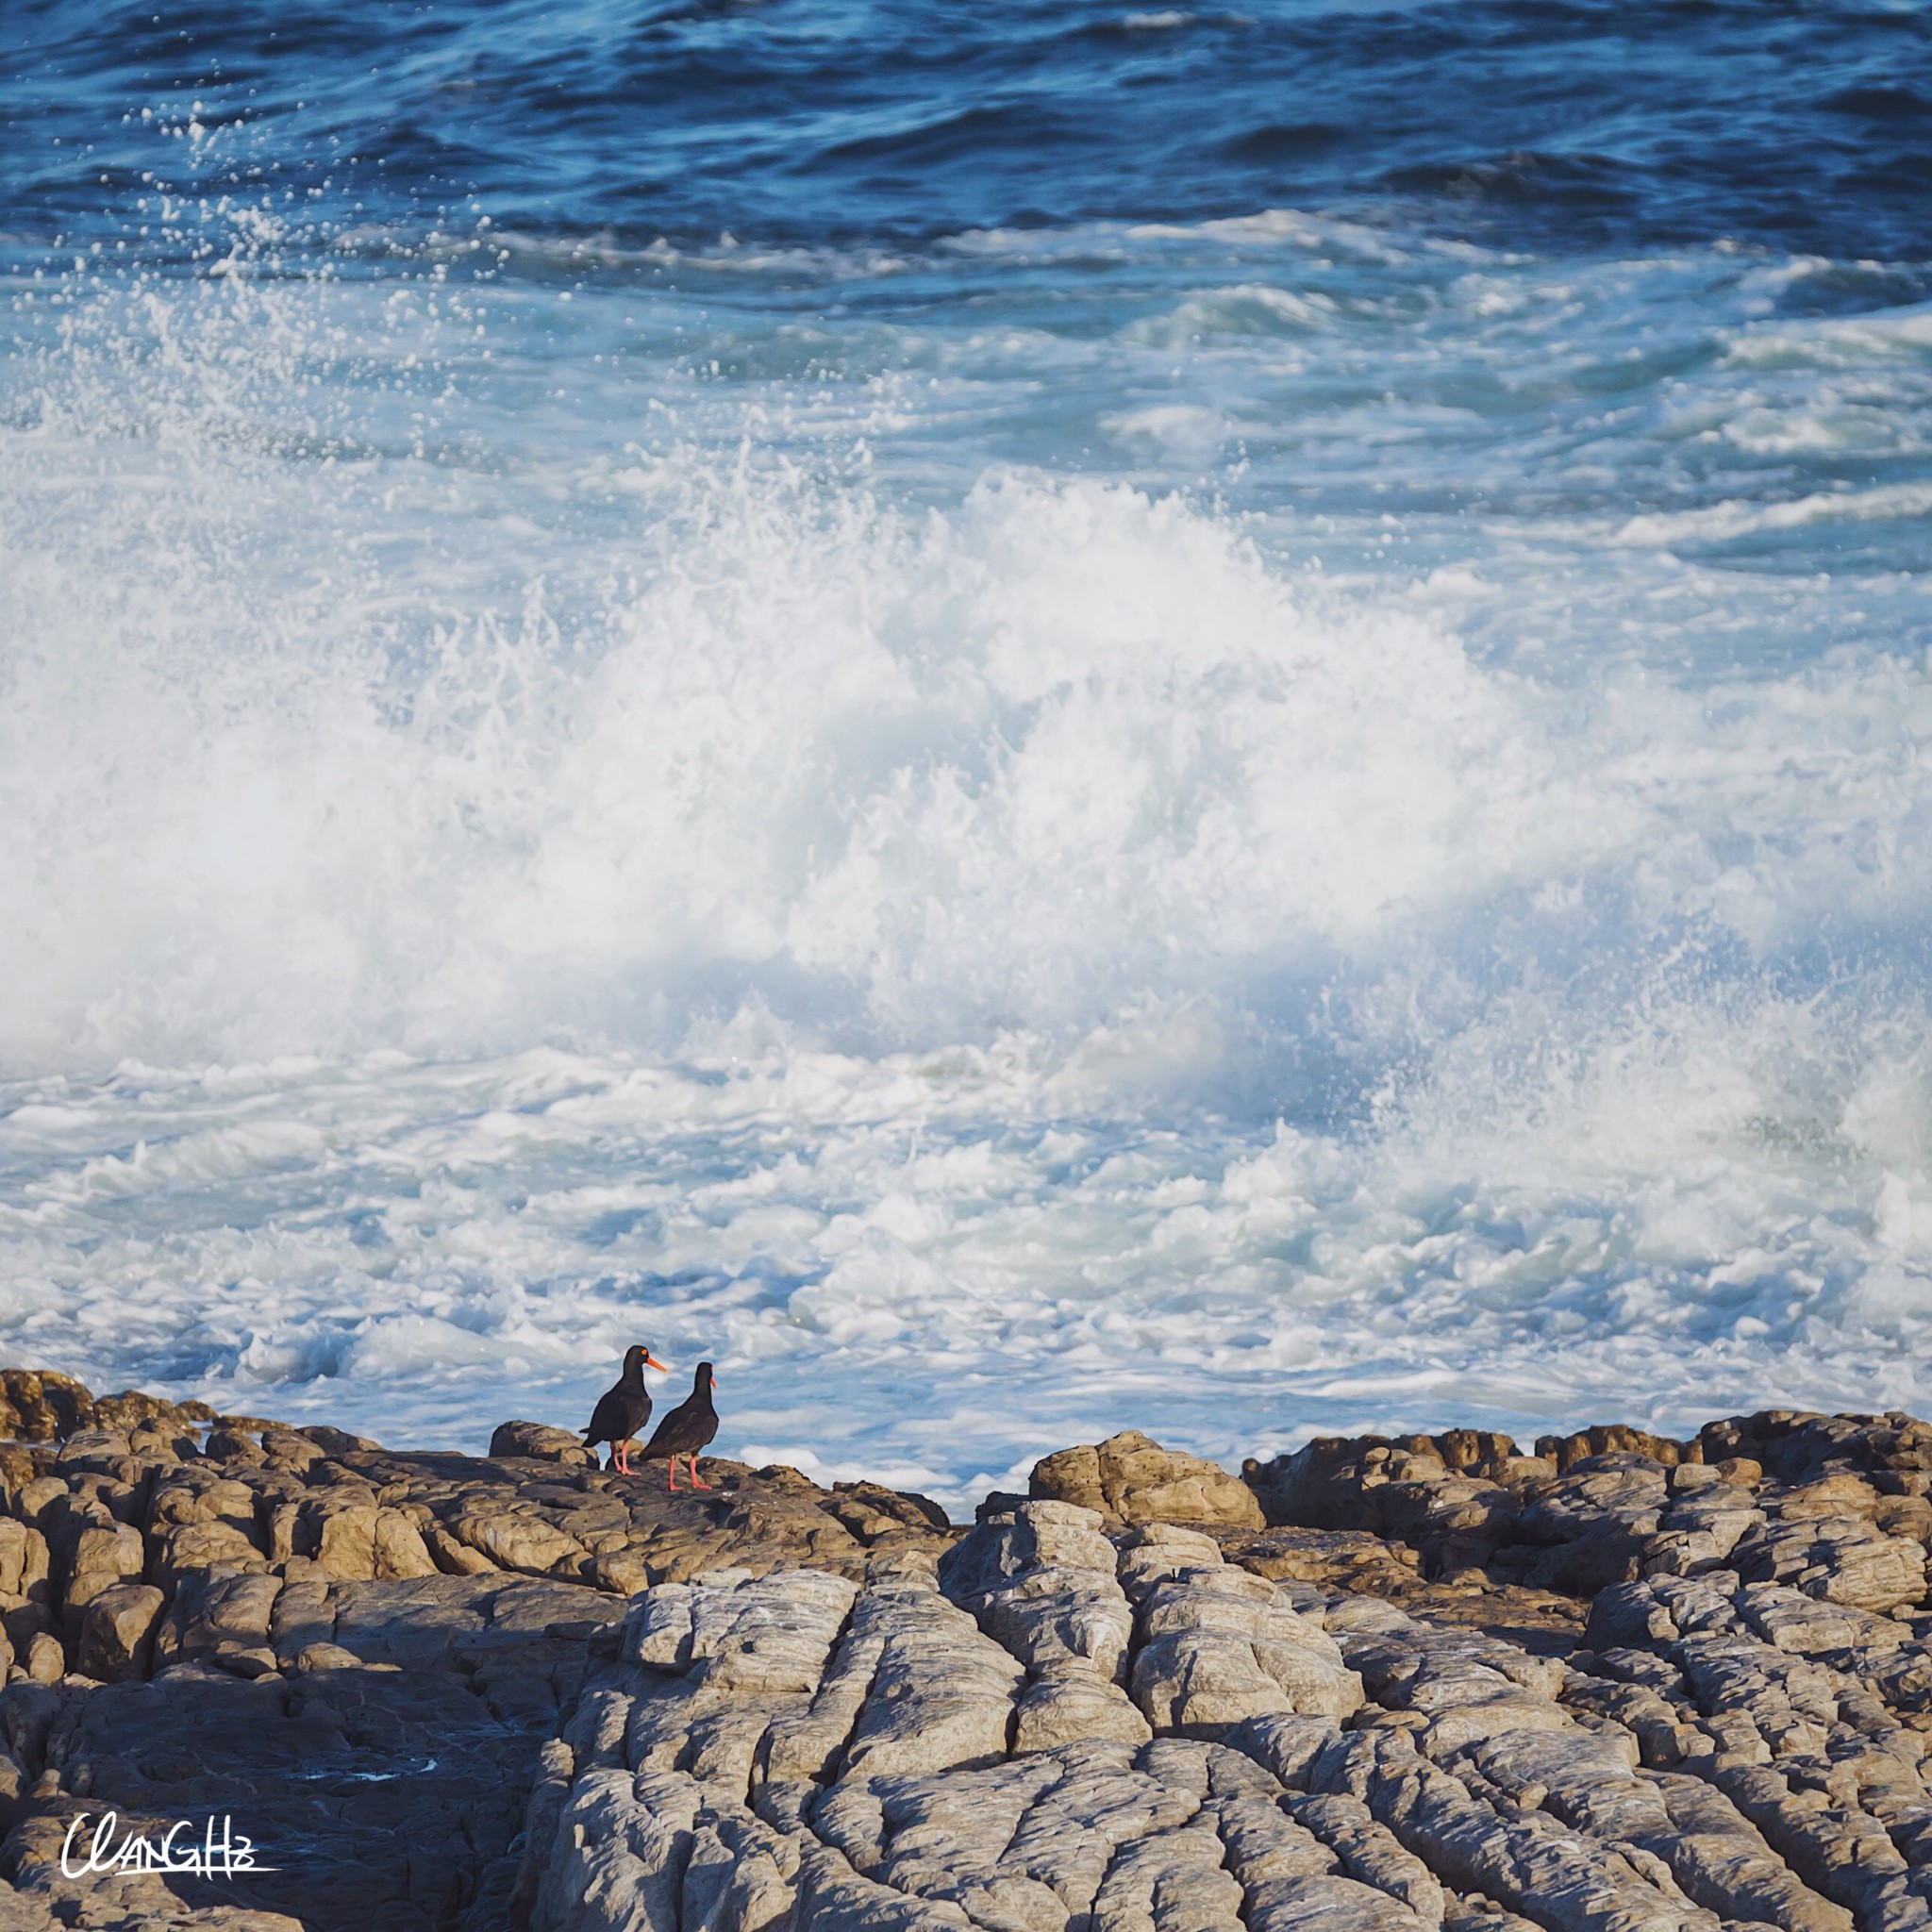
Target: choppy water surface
[1030,722]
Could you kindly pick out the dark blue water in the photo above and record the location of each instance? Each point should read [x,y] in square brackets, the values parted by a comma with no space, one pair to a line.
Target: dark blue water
[1804,126]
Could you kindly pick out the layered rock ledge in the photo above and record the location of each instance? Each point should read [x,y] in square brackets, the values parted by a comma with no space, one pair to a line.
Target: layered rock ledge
[1622,1684]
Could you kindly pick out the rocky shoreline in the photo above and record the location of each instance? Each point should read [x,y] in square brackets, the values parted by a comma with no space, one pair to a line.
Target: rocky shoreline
[1626,1682]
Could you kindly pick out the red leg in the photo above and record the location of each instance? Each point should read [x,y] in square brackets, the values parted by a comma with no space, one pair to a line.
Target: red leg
[697,1482]
[671,1475]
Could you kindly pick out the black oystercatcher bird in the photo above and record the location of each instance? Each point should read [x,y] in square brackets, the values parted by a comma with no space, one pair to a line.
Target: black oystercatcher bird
[622,1411]
[687,1429]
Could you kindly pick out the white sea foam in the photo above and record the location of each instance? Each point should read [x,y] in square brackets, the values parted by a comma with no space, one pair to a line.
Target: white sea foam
[1058,748]
[991,1251]
[1725,520]
[551,856]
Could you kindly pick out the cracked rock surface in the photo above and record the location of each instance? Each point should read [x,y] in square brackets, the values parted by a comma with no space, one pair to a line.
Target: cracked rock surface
[1626,1683]
[1623,1684]
[356,1655]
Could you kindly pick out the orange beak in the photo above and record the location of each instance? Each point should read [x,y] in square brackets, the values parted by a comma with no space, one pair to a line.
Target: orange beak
[651,1362]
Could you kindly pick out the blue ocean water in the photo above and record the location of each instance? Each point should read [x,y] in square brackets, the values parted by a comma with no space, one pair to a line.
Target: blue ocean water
[1027,722]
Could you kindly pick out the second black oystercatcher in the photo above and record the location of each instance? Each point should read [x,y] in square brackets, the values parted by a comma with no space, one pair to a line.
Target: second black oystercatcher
[623,1410]
[687,1429]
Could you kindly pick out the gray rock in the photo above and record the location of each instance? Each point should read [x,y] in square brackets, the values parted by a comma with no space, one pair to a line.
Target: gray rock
[1091,1719]
[1172,1881]
[1042,1585]
[1790,1620]
[1288,1746]
[1218,1647]
[941,1694]
[1370,1853]
[1838,1559]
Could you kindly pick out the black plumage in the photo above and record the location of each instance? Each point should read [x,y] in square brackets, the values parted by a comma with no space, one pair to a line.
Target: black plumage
[622,1411]
[687,1429]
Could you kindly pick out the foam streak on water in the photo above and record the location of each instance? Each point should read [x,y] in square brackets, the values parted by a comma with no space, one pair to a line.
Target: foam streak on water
[1238,813]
